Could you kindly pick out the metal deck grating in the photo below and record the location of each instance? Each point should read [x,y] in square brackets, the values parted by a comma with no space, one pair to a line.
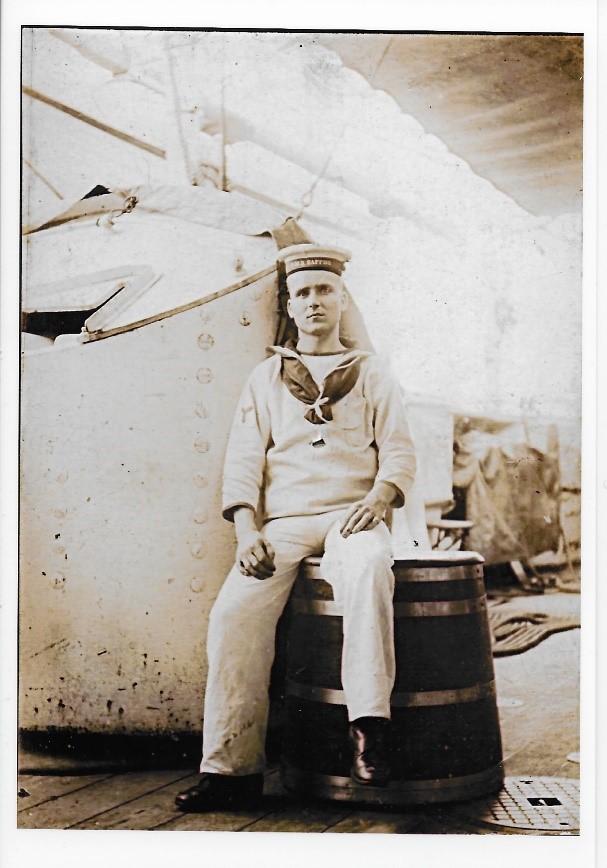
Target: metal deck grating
[542,804]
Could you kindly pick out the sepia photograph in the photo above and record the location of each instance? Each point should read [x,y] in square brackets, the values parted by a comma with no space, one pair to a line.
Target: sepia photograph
[300,431]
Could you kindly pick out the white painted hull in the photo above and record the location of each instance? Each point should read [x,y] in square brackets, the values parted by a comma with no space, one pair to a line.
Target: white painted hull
[123,548]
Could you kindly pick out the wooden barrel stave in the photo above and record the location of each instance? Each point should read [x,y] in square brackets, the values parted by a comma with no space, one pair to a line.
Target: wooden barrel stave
[421,665]
[445,730]
[455,740]
[454,662]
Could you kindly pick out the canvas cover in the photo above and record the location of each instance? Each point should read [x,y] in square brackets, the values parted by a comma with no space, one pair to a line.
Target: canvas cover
[511,490]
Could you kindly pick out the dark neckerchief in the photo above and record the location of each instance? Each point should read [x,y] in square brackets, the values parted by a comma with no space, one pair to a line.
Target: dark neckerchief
[302,385]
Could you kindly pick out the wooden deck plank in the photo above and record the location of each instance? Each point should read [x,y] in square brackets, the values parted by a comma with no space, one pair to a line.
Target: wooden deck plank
[302,816]
[377,822]
[538,735]
[542,742]
[293,813]
[543,751]
[42,788]
[551,668]
[146,812]
[213,821]
[227,821]
[446,824]
[545,754]
[74,807]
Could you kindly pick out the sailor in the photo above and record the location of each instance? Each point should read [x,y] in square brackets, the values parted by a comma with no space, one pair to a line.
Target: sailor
[318,452]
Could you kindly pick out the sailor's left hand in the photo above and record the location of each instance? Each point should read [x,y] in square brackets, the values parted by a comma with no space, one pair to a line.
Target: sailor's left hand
[365,514]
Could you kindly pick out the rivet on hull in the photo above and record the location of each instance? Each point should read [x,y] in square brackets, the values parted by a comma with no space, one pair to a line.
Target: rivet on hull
[204,375]
[198,550]
[205,342]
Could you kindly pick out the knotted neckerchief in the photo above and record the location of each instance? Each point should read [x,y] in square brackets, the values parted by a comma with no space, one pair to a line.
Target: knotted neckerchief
[302,385]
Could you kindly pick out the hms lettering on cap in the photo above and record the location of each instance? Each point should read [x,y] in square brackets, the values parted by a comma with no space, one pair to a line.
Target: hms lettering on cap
[311,263]
[308,257]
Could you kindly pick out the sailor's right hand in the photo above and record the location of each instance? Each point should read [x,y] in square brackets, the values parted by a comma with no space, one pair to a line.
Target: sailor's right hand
[255,556]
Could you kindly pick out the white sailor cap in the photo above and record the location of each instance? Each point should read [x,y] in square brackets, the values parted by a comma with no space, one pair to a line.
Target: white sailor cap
[313,257]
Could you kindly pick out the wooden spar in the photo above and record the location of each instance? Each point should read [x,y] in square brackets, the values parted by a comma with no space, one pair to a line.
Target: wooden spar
[290,209]
[93,122]
[102,59]
[83,208]
[177,112]
[109,332]
[44,180]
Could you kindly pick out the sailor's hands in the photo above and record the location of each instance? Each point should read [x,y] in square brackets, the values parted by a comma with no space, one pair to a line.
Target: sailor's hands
[367,513]
[362,516]
[255,556]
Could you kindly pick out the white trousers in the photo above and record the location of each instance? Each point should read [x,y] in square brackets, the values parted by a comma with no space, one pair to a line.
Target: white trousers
[242,627]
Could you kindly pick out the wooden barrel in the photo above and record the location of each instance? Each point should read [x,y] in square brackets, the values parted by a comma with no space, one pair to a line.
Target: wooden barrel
[445,740]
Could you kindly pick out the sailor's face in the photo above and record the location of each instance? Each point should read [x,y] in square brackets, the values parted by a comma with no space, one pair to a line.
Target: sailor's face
[316,301]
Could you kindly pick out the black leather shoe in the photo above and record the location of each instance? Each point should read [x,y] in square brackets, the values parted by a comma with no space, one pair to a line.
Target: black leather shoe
[369,738]
[221,792]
